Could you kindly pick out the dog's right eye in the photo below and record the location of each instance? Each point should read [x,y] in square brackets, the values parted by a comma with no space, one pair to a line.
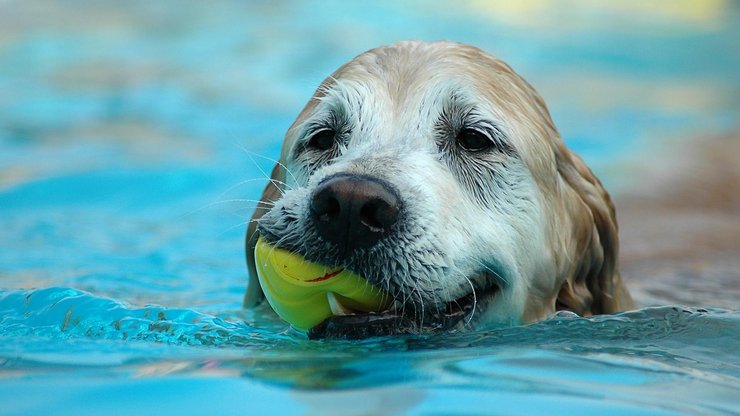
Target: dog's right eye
[322,140]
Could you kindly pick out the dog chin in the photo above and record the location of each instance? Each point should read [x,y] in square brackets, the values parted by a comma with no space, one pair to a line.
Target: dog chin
[461,313]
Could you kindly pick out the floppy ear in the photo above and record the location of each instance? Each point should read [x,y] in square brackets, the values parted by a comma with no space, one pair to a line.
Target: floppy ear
[594,285]
[272,193]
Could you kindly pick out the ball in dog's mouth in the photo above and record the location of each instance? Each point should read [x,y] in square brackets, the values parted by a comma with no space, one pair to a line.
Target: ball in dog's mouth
[332,302]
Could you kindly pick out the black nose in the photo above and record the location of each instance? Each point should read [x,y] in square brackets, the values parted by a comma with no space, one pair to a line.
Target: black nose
[354,211]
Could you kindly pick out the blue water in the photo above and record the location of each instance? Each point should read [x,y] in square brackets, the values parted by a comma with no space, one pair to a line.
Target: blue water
[134,137]
[72,344]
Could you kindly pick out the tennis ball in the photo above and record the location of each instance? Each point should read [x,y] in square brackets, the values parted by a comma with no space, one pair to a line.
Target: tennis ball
[305,293]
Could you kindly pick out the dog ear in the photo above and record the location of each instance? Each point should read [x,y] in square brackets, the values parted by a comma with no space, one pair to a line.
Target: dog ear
[272,193]
[594,285]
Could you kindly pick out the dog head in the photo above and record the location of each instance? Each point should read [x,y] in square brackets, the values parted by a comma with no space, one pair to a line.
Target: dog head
[435,172]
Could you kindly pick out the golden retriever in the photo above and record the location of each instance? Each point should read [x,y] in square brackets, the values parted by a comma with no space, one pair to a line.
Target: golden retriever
[435,171]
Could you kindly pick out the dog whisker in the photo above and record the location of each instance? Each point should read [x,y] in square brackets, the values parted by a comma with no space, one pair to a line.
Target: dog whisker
[259,203]
[277,162]
[278,183]
[238,184]
[475,300]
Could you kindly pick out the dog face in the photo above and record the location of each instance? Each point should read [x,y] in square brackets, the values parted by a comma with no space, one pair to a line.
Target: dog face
[435,172]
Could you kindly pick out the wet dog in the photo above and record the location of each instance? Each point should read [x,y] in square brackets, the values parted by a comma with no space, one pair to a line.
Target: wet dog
[435,172]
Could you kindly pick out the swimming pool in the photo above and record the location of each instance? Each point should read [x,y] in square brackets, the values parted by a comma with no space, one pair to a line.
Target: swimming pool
[134,140]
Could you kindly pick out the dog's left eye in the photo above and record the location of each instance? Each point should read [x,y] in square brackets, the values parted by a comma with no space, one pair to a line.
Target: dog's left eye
[323,139]
[473,140]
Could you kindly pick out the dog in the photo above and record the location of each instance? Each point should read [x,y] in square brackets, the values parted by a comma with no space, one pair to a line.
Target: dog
[435,172]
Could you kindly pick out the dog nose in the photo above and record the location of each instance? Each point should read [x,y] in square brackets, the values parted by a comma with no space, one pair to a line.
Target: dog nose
[354,211]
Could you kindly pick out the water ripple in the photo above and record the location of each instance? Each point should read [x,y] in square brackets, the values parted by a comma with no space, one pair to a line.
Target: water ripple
[639,358]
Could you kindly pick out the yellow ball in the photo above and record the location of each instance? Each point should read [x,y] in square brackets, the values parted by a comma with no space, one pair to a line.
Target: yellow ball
[305,293]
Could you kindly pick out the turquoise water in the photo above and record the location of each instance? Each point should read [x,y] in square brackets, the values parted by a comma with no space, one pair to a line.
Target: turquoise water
[134,138]
[86,354]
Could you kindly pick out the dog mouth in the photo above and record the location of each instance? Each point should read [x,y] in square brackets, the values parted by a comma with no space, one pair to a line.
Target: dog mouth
[408,318]
[408,312]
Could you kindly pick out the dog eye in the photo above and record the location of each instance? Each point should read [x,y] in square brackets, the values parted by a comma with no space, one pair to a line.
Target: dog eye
[473,140]
[323,139]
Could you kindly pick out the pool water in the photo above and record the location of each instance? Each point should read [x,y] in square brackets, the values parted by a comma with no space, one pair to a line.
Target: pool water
[68,351]
[134,141]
